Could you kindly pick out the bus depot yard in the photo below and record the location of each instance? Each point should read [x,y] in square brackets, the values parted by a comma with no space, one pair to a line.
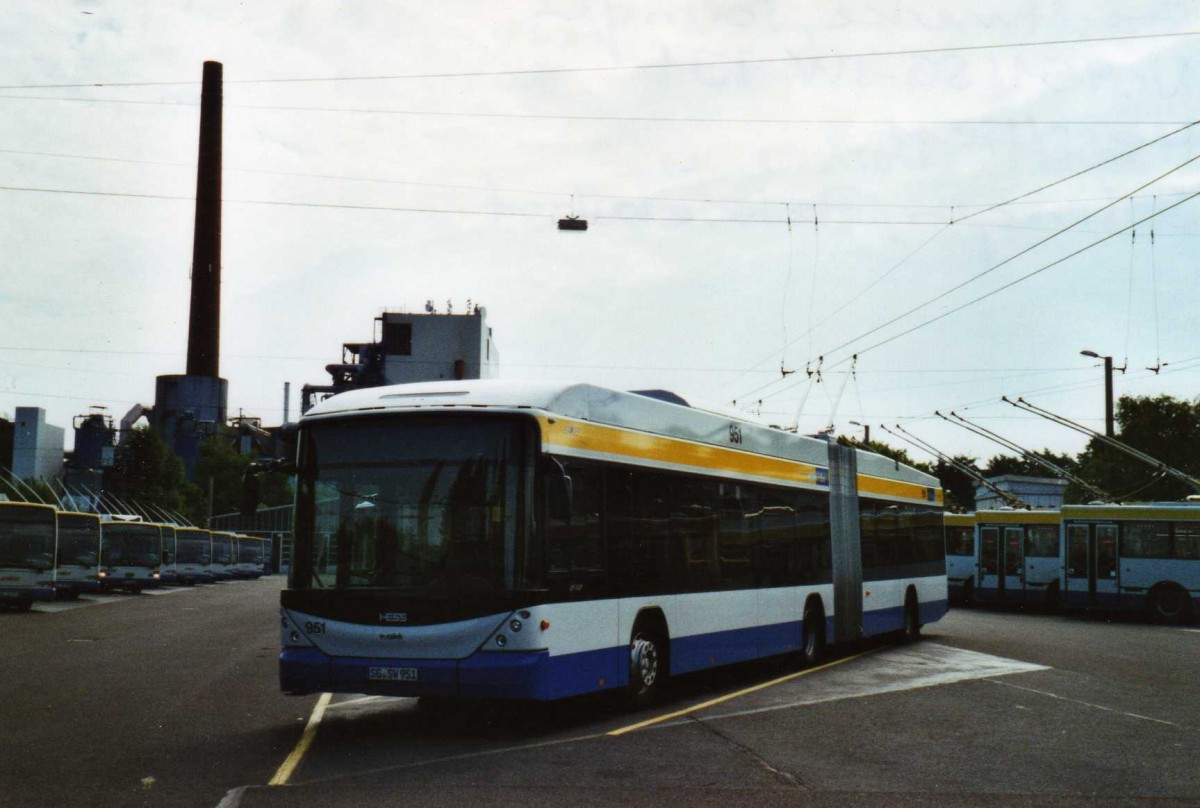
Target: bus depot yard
[174,701]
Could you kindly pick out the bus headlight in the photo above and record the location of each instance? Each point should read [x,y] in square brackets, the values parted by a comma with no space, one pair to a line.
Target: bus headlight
[501,640]
[515,625]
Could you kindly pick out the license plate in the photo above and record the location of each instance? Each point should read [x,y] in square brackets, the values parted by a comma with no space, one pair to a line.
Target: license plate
[130,574]
[392,674]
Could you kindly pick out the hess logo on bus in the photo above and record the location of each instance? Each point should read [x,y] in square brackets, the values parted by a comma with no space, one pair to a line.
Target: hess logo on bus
[393,617]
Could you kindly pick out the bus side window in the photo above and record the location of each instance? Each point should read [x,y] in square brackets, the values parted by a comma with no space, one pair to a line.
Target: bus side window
[1187,541]
[575,544]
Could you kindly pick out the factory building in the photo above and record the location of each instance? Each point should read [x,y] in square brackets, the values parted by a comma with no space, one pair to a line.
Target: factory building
[410,347]
[1039,492]
[37,446]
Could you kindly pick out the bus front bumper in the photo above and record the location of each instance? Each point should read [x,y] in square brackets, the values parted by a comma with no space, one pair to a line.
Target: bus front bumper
[483,675]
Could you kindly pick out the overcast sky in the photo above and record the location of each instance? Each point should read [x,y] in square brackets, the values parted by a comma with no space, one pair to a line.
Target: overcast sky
[689,277]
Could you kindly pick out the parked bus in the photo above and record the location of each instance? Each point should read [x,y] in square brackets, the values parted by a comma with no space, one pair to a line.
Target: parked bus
[959,532]
[1133,557]
[521,540]
[167,572]
[28,541]
[78,554]
[249,557]
[193,556]
[130,555]
[223,558]
[1019,557]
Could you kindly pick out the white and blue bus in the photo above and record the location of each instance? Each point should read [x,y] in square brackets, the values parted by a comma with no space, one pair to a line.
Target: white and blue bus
[224,556]
[538,541]
[167,572]
[78,554]
[249,555]
[130,555]
[193,556]
[959,532]
[1133,557]
[28,542]
[1018,557]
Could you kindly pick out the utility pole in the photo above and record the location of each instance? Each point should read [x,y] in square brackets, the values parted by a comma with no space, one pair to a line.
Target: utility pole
[1108,390]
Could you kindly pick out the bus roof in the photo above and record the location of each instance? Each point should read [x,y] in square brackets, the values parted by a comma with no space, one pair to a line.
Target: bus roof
[959,519]
[629,411]
[1172,511]
[1019,517]
[34,505]
[78,514]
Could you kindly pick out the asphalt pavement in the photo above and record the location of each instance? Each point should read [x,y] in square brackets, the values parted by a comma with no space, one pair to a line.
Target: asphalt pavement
[172,700]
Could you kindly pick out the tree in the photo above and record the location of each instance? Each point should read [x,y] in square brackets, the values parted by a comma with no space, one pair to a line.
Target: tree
[1023,466]
[959,487]
[221,462]
[148,474]
[1164,427]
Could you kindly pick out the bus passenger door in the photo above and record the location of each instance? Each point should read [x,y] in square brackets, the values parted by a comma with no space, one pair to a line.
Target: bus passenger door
[1107,571]
[991,582]
[1081,571]
[1013,584]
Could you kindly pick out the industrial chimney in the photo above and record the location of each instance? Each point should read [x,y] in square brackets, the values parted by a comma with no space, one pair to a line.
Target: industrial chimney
[204,324]
[191,407]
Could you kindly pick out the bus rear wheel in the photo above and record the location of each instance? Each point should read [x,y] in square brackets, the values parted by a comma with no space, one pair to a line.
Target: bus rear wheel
[647,664]
[1170,605]
[814,636]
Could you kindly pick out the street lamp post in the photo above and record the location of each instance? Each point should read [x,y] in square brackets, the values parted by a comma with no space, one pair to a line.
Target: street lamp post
[1108,390]
[866,431]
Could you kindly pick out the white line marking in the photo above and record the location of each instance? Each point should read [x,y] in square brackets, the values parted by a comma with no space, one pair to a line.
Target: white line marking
[1094,706]
[903,668]
[451,758]
[366,700]
[232,798]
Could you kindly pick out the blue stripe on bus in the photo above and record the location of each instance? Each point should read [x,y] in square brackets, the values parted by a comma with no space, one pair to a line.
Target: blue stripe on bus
[537,675]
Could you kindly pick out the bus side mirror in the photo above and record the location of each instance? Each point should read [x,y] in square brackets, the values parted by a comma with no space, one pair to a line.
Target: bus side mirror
[249,493]
[558,490]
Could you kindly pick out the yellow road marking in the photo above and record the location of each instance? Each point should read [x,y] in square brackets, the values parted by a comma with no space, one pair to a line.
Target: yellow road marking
[310,732]
[738,694]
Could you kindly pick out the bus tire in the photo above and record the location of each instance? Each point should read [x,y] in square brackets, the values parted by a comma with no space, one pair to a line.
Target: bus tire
[648,662]
[813,649]
[1169,604]
[968,595]
[22,605]
[912,617]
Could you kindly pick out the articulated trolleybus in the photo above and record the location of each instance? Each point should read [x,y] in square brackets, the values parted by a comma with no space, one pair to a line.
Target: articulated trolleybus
[537,541]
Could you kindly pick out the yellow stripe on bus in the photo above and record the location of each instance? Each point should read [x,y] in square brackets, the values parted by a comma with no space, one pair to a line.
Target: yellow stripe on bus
[1101,513]
[566,433]
[1019,518]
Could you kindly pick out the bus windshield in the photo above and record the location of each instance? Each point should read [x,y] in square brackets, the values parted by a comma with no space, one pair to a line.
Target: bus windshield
[193,547]
[78,540]
[249,551]
[431,504]
[27,538]
[131,545]
[222,548]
